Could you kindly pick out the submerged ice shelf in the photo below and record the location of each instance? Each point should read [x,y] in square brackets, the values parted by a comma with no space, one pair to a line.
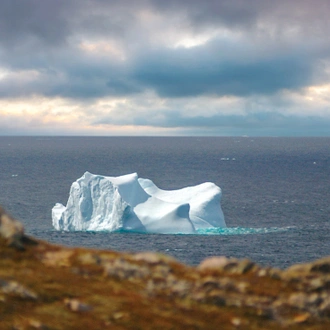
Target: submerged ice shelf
[104,203]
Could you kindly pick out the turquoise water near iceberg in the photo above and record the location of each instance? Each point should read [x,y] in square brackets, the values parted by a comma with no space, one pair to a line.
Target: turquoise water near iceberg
[240,230]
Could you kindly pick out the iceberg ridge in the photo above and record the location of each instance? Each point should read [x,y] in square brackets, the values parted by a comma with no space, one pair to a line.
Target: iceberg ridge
[129,203]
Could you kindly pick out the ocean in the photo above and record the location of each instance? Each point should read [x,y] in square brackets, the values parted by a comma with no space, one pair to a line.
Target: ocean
[276,191]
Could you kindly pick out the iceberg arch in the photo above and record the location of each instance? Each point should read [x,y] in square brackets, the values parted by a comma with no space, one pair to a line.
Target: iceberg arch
[129,203]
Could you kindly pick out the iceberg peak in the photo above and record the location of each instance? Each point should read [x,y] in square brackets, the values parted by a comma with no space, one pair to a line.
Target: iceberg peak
[130,203]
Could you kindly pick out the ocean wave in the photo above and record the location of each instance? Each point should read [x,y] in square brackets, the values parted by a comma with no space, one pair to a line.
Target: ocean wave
[240,230]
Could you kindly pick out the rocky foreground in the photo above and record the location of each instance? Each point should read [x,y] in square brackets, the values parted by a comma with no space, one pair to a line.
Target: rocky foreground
[44,286]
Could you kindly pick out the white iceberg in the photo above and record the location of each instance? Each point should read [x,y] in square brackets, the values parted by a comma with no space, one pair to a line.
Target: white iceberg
[129,203]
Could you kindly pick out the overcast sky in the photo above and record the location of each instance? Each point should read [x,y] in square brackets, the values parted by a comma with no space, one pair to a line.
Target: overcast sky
[156,67]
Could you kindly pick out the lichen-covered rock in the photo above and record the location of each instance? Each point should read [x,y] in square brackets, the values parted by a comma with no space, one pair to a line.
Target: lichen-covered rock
[228,265]
[16,289]
[12,231]
[76,306]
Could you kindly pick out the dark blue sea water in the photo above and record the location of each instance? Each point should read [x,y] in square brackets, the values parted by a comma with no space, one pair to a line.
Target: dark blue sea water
[276,191]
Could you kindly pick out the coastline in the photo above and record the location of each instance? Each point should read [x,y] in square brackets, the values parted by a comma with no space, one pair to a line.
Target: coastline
[45,286]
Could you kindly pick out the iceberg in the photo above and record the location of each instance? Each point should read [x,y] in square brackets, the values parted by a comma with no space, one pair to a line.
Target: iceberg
[130,203]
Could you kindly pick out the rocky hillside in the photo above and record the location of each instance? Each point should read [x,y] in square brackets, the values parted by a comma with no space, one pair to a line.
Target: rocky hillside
[44,286]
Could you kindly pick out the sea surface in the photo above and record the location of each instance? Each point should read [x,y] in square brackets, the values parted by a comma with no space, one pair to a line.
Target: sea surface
[276,191]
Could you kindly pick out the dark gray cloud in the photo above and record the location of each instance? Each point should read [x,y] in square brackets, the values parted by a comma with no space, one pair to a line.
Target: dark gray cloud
[305,16]
[66,73]
[214,12]
[22,22]
[55,21]
[203,70]
[189,72]
[33,23]
[279,45]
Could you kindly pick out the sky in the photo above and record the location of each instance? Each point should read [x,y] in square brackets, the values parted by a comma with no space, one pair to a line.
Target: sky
[174,67]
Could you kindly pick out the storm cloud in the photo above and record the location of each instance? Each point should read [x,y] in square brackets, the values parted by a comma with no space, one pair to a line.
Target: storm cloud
[107,57]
